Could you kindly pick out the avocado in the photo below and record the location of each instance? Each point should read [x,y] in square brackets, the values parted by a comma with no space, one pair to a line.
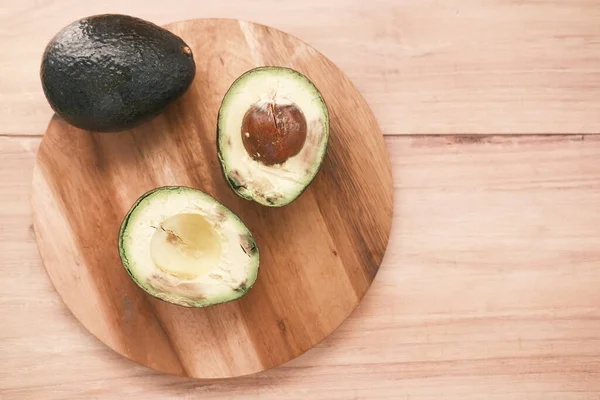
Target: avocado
[184,247]
[113,72]
[272,135]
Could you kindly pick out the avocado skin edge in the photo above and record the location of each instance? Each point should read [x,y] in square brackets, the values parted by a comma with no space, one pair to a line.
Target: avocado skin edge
[125,261]
[112,72]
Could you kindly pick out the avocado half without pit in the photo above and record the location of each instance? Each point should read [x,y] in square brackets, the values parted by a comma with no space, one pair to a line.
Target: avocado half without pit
[273,130]
[183,246]
[113,72]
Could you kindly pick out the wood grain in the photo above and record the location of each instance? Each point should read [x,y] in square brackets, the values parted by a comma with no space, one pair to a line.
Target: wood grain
[318,256]
[488,290]
[424,66]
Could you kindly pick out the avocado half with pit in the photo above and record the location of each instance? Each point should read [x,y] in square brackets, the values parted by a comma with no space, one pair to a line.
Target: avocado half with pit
[273,131]
[183,246]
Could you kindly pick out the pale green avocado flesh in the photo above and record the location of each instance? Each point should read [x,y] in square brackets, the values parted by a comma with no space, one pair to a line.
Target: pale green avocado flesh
[280,184]
[183,246]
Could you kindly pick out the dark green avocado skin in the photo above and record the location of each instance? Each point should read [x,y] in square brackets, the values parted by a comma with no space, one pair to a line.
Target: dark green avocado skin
[113,72]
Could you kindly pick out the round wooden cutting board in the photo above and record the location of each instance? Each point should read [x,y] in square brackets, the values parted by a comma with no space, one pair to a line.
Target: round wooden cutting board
[319,255]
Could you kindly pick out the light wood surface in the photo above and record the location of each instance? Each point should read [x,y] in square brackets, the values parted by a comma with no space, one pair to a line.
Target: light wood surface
[489,289]
[319,255]
[425,66]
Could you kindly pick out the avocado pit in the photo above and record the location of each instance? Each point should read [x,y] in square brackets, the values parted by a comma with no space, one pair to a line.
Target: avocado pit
[273,130]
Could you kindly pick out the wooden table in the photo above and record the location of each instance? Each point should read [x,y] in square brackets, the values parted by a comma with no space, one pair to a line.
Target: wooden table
[491,285]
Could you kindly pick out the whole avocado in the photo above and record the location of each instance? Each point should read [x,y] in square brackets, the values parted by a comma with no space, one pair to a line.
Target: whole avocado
[113,72]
